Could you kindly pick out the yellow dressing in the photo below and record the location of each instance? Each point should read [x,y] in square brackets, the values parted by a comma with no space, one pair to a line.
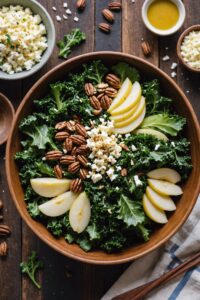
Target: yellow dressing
[163,14]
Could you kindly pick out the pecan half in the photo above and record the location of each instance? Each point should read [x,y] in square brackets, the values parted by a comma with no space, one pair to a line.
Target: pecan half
[3,249]
[101,87]
[70,126]
[106,102]
[100,96]
[68,144]
[61,125]
[53,155]
[108,15]
[67,159]
[95,102]
[83,149]
[113,81]
[74,167]
[74,149]
[124,172]
[83,160]
[83,173]
[5,230]
[76,185]
[104,27]
[78,139]
[90,89]
[146,49]
[80,4]
[61,135]
[124,147]
[115,5]
[58,171]
[111,92]
[80,129]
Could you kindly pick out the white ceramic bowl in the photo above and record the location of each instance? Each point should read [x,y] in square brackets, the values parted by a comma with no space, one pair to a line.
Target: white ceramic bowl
[170,31]
[37,8]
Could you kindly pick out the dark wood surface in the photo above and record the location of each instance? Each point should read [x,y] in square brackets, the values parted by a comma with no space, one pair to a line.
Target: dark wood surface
[63,278]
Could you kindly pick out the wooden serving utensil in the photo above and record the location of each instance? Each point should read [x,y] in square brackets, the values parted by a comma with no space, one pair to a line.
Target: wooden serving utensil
[6,118]
[143,290]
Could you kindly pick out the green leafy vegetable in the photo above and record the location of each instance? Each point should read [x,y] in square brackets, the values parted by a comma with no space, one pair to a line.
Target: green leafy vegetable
[31,266]
[124,70]
[74,38]
[95,71]
[170,124]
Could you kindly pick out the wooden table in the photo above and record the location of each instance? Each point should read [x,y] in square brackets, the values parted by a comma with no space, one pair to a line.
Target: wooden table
[63,278]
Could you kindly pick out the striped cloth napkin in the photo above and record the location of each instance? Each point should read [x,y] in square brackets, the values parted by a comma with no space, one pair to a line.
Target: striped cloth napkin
[186,287]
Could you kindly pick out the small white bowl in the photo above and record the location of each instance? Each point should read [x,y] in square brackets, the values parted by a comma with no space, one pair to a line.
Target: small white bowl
[162,32]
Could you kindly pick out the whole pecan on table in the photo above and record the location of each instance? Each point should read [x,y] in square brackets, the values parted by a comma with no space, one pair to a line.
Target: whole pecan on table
[115,5]
[3,248]
[81,4]
[104,27]
[5,230]
[146,49]
[108,15]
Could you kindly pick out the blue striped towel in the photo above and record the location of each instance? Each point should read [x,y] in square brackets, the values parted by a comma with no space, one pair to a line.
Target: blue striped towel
[186,287]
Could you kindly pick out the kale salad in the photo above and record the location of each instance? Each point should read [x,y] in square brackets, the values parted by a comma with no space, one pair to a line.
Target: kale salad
[101,156]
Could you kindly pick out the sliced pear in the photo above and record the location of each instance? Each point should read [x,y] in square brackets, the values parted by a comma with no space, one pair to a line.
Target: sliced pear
[132,99]
[165,188]
[136,115]
[125,116]
[50,187]
[132,126]
[159,135]
[80,212]
[165,174]
[59,205]
[155,214]
[160,201]
[123,92]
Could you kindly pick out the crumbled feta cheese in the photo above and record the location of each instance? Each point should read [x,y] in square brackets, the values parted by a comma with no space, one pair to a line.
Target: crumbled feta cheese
[132,162]
[187,91]
[190,49]
[157,146]
[165,58]
[22,40]
[133,148]
[96,177]
[173,65]
[54,8]
[173,74]
[76,19]
[65,17]
[58,18]
[65,5]
[127,135]
[173,144]
[68,11]
[138,182]
[44,158]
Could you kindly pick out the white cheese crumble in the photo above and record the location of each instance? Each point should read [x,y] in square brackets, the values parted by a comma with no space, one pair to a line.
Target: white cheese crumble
[65,17]
[174,66]
[165,58]
[133,148]
[173,74]
[22,39]
[65,5]
[138,182]
[68,11]
[54,8]
[190,49]
[76,19]
[157,146]
[58,18]
[105,151]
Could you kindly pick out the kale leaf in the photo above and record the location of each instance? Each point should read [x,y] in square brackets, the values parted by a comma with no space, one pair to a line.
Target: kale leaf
[95,71]
[124,70]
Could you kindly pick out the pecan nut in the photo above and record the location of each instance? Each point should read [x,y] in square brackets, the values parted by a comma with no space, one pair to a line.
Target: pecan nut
[5,230]
[101,87]
[80,129]
[76,185]
[61,135]
[95,102]
[53,155]
[3,249]
[58,171]
[78,139]
[67,159]
[90,89]
[124,172]
[68,144]
[113,81]
[106,102]
[104,27]
[70,126]
[83,160]
[83,149]
[111,92]
[115,6]
[83,173]
[100,96]
[108,15]
[74,149]
[61,125]
[146,49]
[80,4]
[74,167]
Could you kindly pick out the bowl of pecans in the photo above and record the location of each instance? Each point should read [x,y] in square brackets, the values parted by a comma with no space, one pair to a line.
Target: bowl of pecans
[96,168]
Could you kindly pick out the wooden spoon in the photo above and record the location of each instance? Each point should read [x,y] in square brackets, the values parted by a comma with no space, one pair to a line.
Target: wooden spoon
[6,118]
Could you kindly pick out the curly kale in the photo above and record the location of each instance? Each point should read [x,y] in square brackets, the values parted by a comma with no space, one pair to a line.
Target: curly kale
[95,72]
[74,38]
[124,70]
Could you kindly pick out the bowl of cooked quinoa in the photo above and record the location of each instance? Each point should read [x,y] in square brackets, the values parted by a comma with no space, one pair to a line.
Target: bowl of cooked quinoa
[27,38]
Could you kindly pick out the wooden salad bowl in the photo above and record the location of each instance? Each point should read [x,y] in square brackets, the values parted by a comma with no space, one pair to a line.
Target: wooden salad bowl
[190,187]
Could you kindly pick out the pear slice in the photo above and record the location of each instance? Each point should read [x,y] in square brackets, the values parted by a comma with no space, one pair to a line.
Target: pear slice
[155,214]
[159,135]
[132,126]
[80,212]
[50,187]
[58,205]
[122,94]
[132,99]
[160,201]
[124,116]
[136,115]
[165,188]
[165,174]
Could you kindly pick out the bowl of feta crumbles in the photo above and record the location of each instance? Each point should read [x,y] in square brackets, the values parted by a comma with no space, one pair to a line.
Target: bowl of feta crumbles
[27,38]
